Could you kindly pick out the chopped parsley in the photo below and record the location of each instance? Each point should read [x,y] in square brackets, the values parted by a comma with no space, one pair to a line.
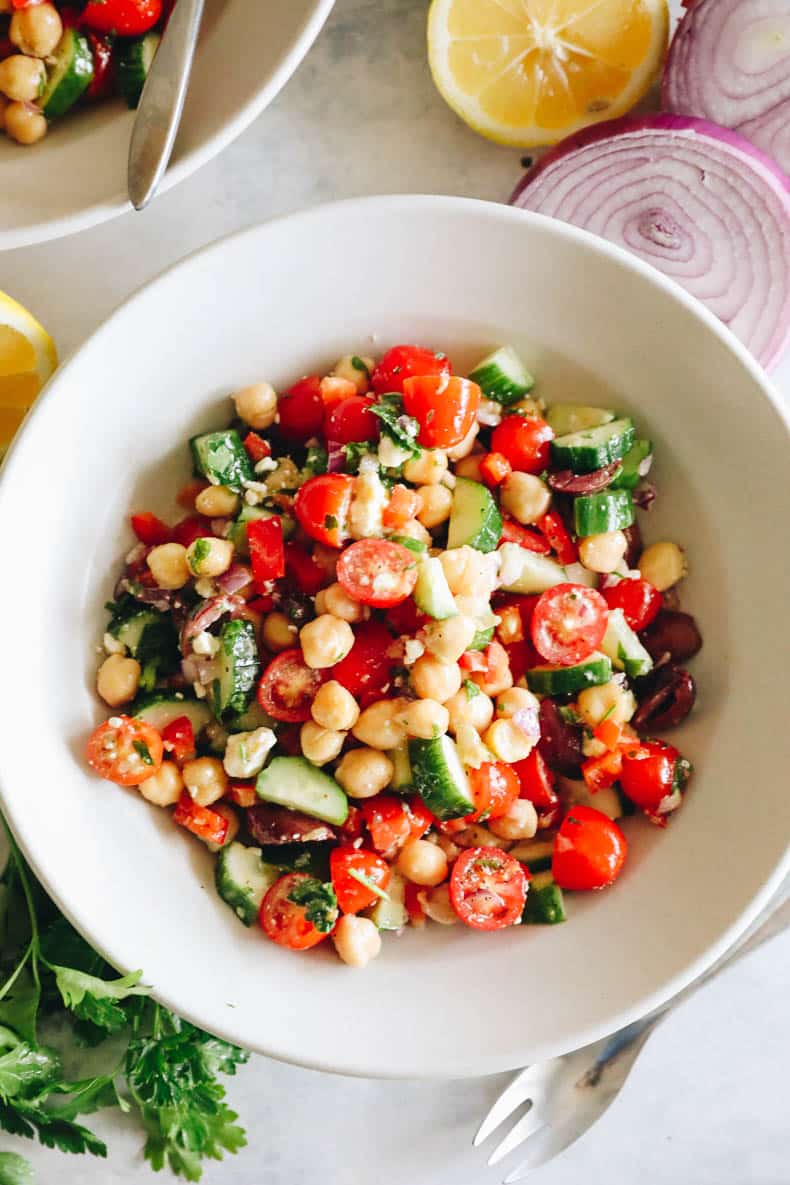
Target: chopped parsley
[319,901]
[369,883]
[316,460]
[569,715]
[400,428]
[330,522]
[358,364]
[471,689]
[354,452]
[201,549]
[144,752]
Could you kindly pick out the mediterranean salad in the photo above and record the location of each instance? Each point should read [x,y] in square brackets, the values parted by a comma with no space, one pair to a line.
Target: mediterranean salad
[403,657]
[54,56]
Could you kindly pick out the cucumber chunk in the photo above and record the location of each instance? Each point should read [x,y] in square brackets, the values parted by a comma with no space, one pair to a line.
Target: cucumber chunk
[161,709]
[295,783]
[628,475]
[548,680]
[608,800]
[254,717]
[243,879]
[474,517]
[596,514]
[565,418]
[535,853]
[483,637]
[545,905]
[432,592]
[522,571]
[238,667]
[440,778]
[69,75]
[148,636]
[593,447]
[502,376]
[134,64]
[403,778]
[222,459]
[391,914]
[623,647]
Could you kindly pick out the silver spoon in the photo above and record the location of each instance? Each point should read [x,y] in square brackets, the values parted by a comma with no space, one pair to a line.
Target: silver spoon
[161,103]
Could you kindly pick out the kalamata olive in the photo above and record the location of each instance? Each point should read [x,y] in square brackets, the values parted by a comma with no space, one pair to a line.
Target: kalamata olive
[560,743]
[665,698]
[673,633]
[276,825]
[568,482]
[633,537]
[644,495]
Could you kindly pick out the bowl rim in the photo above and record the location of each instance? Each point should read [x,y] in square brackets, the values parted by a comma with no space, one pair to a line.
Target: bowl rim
[102,211]
[399,204]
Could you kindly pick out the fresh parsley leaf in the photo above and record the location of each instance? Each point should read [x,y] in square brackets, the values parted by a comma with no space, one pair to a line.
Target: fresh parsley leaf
[358,364]
[95,999]
[471,689]
[200,552]
[569,714]
[319,901]
[32,1119]
[357,875]
[400,428]
[25,1069]
[15,1170]
[144,752]
[354,452]
[330,522]
[317,460]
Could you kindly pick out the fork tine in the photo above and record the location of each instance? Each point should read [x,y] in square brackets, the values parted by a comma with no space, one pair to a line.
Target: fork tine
[521,1171]
[527,1126]
[512,1097]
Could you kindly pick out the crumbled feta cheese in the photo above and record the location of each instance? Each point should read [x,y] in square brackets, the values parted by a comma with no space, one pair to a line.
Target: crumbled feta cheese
[115,722]
[266,465]
[368,504]
[390,454]
[592,747]
[205,643]
[412,650]
[112,645]
[489,413]
[254,492]
[246,752]
[205,587]
[471,750]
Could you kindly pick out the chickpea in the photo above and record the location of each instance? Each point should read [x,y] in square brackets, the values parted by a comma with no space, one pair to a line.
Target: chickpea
[477,836]
[337,601]
[118,680]
[3,106]
[320,745]
[444,842]
[257,405]
[610,700]
[469,467]
[345,368]
[469,573]
[450,638]
[602,553]
[325,640]
[477,711]
[335,707]
[520,822]
[507,742]
[425,718]
[433,679]
[227,812]
[357,940]
[364,772]
[25,123]
[515,699]
[464,447]
[422,862]
[427,469]
[208,556]
[525,496]
[437,905]
[205,779]
[217,502]
[413,529]
[168,565]
[530,407]
[663,565]
[437,502]
[278,632]
[164,787]
[379,725]
[37,30]
[22,78]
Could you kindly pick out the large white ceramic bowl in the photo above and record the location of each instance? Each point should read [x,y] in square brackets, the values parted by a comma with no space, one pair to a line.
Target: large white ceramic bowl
[287,298]
[77,176]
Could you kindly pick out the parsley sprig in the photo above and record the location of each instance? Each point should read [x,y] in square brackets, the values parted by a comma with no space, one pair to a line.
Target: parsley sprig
[402,429]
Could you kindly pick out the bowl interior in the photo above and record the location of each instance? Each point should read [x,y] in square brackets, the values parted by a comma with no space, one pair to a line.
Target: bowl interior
[77,175]
[279,301]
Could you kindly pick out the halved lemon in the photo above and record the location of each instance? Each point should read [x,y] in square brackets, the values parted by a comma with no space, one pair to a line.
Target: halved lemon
[530,72]
[27,359]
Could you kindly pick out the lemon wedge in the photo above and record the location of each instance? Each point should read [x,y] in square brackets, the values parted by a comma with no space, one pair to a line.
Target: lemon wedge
[27,359]
[530,72]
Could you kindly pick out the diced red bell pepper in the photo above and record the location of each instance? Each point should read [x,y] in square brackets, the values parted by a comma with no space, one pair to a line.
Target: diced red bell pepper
[190,529]
[257,448]
[522,657]
[206,824]
[391,820]
[558,537]
[530,540]
[602,772]
[307,575]
[261,604]
[537,782]
[242,793]
[150,530]
[267,554]
[608,733]
[494,468]
[178,738]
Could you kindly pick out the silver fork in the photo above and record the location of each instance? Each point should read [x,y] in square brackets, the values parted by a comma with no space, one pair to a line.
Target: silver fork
[565,1096]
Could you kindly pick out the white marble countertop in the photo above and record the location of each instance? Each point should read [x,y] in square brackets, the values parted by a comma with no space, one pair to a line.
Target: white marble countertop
[707,1100]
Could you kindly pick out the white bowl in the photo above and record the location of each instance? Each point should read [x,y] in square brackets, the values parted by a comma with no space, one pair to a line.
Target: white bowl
[281,300]
[77,176]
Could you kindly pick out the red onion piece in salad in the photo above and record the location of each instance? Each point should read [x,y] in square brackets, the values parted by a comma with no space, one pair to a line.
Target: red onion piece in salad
[335,457]
[730,62]
[526,720]
[238,576]
[206,614]
[697,201]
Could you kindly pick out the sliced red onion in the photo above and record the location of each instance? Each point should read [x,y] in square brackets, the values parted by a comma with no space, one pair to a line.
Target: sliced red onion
[206,614]
[198,668]
[527,721]
[238,576]
[730,62]
[335,457]
[645,495]
[219,526]
[697,201]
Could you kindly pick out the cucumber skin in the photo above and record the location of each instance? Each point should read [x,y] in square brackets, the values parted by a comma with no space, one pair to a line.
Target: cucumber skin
[568,680]
[334,807]
[495,381]
[129,74]
[241,899]
[237,468]
[586,456]
[431,788]
[627,477]
[238,647]
[544,906]
[73,84]
[597,514]
[489,530]
[567,418]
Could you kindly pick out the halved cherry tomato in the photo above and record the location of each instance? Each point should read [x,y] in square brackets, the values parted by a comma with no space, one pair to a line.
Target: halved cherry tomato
[496,784]
[524,441]
[639,601]
[257,448]
[445,407]
[652,772]
[124,750]
[354,826]
[322,505]
[536,782]
[208,825]
[558,536]
[301,409]
[351,420]
[367,669]
[283,920]
[568,623]
[349,868]
[188,530]
[494,468]
[103,73]
[242,793]
[513,532]
[267,555]
[288,687]
[589,850]
[307,575]
[178,738]
[333,391]
[406,618]
[601,772]
[127,18]
[150,530]
[495,666]
[404,504]
[377,572]
[392,820]
[488,888]
[404,362]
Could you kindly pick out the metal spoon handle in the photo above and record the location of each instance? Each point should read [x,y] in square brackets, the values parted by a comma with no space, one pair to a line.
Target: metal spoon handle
[162,102]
